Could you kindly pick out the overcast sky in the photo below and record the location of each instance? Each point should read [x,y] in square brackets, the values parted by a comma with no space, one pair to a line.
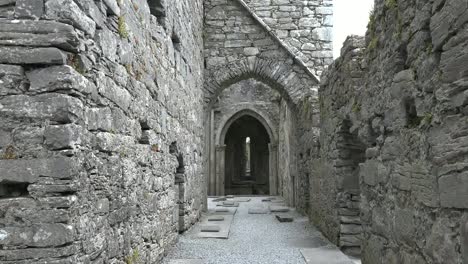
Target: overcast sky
[350,17]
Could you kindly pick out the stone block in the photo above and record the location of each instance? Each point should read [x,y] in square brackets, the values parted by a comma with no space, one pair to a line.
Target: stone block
[114,8]
[350,229]
[29,170]
[29,8]
[454,190]
[69,10]
[12,79]
[59,78]
[279,209]
[350,240]
[29,254]
[44,235]
[210,228]
[215,218]
[39,34]
[22,55]
[284,218]
[59,137]
[53,107]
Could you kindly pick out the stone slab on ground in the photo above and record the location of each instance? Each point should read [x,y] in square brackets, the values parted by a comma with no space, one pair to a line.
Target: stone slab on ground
[210,228]
[279,209]
[186,261]
[268,199]
[215,218]
[223,211]
[258,210]
[325,255]
[224,204]
[229,196]
[284,218]
[220,199]
[242,199]
[224,227]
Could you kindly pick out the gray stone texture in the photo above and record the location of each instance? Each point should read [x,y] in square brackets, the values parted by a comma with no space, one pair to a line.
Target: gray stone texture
[393,115]
[92,94]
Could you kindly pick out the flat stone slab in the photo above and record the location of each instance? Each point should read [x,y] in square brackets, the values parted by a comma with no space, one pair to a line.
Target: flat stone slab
[210,228]
[223,227]
[284,218]
[224,204]
[242,200]
[215,218]
[223,211]
[220,199]
[268,199]
[228,203]
[229,196]
[325,255]
[258,210]
[186,261]
[279,209]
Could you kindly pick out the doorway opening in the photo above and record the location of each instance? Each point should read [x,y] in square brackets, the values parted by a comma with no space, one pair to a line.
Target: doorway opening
[247,158]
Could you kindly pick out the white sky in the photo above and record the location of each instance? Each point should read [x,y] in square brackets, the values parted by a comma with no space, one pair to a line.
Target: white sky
[350,17]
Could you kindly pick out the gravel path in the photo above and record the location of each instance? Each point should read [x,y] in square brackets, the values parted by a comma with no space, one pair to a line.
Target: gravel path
[253,238]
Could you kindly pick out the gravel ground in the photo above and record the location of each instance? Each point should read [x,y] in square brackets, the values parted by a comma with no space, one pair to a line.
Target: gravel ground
[252,239]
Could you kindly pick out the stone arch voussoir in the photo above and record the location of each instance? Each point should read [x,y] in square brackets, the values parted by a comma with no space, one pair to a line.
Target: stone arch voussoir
[280,76]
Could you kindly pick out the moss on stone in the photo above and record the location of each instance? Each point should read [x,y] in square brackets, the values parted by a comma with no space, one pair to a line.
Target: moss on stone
[122,27]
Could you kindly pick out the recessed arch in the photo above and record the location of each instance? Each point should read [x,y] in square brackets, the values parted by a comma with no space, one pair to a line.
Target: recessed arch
[248,111]
[288,79]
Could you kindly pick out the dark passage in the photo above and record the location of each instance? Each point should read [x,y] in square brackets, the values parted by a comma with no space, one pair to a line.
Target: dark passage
[247,161]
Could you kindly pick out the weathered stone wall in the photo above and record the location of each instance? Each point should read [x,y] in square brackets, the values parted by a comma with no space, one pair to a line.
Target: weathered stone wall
[304,26]
[396,106]
[100,103]
[238,46]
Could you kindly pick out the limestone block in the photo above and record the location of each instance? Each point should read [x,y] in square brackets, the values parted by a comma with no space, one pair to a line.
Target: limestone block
[12,79]
[62,78]
[453,190]
[55,107]
[38,34]
[44,235]
[99,119]
[29,254]
[63,136]
[69,10]
[21,55]
[29,170]
[6,2]
[91,9]
[29,8]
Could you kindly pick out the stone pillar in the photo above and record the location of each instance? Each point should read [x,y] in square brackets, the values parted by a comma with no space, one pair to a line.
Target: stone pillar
[273,170]
[212,183]
[220,169]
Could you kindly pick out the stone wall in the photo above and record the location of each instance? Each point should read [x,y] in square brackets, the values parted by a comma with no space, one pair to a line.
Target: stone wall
[393,114]
[239,45]
[100,105]
[304,26]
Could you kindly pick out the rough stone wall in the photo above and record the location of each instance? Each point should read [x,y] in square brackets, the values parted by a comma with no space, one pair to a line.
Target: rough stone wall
[238,47]
[247,95]
[403,97]
[92,96]
[305,26]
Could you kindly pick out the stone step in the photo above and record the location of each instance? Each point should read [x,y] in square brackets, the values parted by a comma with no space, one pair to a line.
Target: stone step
[284,218]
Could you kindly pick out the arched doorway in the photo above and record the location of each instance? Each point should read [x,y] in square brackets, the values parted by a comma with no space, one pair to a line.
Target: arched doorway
[246,157]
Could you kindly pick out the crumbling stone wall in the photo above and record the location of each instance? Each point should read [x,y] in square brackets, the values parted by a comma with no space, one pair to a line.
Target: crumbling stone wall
[92,96]
[401,97]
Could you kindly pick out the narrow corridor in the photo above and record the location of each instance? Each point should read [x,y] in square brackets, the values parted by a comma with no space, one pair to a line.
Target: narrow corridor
[257,239]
